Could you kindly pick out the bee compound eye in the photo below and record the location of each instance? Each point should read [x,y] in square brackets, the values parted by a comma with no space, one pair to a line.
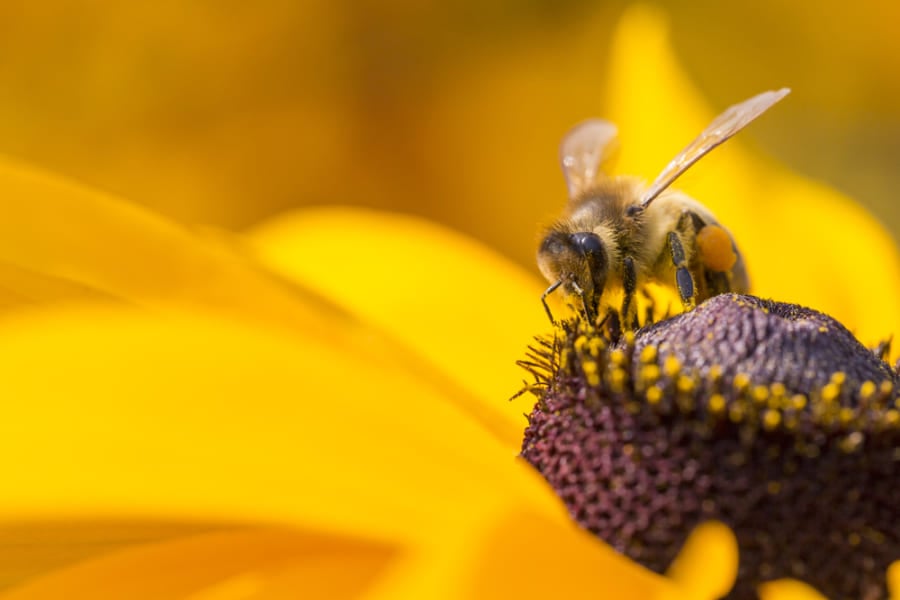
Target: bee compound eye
[588,243]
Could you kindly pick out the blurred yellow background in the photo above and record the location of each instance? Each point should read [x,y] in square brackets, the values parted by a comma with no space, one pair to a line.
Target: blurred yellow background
[227,112]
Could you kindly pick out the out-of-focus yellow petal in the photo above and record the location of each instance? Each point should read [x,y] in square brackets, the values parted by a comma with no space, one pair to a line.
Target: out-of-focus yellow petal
[788,589]
[29,548]
[893,580]
[803,242]
[455,302]
[231,565]
[707,565]
[24,288]
[84,239]
[578,566]
[121,413]
[181,418]
[543,559]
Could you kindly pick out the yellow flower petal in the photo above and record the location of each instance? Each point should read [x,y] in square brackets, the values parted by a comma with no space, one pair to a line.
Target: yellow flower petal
[788,589]
[893,580]
[506,560]
[234,419]
[456,303]
[25,288]
[84,239]
[232,565]
[183,418]
[30,548]
[707,565]
[803,242]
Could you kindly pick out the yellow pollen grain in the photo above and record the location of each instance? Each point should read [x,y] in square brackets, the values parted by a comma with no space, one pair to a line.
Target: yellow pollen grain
[778,389]
[886,387]
[579,343]
[846,415]
[717,403]
[798,401]
[617,357]
[771,419]
[672,366]
[867,390]
[565,358]
[595,346]
[892,417]
[650,373]
[741,381]
[760,394]
[654,395]
[685,384]
[823,329]
[715,372]
[838,378]
[854,539]
[648,354]
[629,338]
[591,372]
[736,413]
[617,379]
[830,392]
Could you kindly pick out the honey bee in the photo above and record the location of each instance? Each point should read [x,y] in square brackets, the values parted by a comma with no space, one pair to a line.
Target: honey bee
[617,234]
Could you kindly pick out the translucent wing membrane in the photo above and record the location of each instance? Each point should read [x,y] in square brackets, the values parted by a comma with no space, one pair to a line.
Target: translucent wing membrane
[582,150]
[723,127]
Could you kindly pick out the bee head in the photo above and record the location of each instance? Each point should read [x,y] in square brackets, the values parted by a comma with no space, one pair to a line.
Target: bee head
[577,260]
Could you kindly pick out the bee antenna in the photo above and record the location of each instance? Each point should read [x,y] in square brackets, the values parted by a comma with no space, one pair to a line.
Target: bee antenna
[546,293]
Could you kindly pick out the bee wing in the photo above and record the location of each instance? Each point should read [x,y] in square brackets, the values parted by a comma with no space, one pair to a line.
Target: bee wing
[723,127]
[582,150]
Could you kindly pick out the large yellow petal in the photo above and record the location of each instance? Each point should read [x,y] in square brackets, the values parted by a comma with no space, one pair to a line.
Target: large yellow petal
[226,565]
[117,415]
[84,239]
[803,241]
[540,560]
[232,418]
[20,288]
[30,548]
[454,301]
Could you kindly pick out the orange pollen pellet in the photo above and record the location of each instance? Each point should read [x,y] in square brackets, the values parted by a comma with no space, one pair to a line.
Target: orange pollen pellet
[716,250]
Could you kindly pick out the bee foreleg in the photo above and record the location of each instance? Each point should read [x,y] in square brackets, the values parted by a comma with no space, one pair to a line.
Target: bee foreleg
[546,293]
[629,283]
[684,281]
[588,313]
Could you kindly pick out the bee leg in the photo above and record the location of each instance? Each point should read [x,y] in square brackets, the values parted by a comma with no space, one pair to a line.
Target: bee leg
[684,281]
[712,282]
[546,293]
[629,281]
[588,315]
[649,306]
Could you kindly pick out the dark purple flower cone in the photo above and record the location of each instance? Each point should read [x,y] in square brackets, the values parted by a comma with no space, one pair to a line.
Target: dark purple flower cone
[769,417]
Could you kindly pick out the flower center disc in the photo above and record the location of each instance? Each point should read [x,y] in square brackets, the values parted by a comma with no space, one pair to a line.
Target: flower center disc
[768,417]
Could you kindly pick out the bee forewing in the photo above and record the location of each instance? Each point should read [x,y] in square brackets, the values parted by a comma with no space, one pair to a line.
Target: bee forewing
[582,150]
[723,127]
